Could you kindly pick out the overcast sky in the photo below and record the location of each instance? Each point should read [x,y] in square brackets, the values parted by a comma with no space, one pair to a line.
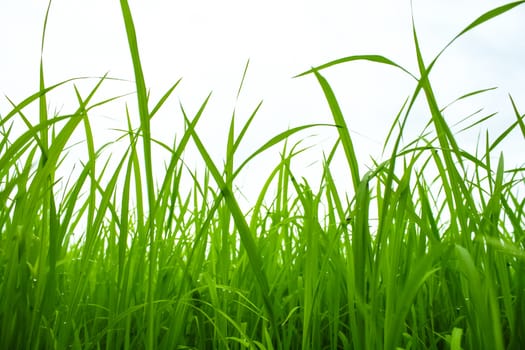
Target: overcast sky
[207,43]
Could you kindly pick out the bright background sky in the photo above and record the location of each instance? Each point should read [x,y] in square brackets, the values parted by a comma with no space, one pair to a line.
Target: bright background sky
[207,43]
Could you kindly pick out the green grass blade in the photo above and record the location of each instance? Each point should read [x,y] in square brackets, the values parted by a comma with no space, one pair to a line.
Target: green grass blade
[462,97]
[488,16]
[273,141]
[344,134]
[164,98]
[372,58]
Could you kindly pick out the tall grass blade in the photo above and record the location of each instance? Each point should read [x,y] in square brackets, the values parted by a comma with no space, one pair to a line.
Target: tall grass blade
[344,134]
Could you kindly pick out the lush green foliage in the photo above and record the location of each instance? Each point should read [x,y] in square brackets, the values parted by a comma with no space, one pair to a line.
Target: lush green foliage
[160,266]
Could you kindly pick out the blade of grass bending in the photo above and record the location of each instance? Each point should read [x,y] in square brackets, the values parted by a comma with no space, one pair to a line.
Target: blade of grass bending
[372,58]
[488,16]
[342,129]
[473,93]
[441,127]
[381,59]
[480,20]
[426,71]
[275,140]
[244,230]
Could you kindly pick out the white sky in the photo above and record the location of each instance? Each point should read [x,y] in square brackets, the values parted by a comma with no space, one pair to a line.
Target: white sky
[207,43]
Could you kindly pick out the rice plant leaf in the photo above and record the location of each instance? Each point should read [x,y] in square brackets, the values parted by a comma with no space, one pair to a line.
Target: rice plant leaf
[344,134]
[480,20]
[473,93]
[275,140]
[372,58]
[488,16]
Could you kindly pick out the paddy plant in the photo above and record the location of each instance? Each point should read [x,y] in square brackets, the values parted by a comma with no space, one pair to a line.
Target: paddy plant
[425,252]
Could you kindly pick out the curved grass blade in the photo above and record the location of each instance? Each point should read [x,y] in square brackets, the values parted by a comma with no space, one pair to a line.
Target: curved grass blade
[344,135]
[488,16]
[275,140]
[372,58]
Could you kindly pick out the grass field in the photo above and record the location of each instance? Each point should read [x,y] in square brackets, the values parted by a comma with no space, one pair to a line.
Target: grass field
[161,266]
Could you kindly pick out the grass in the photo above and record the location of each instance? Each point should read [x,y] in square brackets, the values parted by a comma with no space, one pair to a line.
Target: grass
[160,265]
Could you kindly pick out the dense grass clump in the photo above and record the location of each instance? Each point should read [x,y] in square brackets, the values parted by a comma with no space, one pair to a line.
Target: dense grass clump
[162,266]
